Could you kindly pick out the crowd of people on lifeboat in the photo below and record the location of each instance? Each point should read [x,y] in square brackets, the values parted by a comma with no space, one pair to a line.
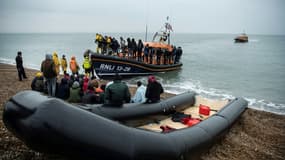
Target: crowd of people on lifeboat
[158,53]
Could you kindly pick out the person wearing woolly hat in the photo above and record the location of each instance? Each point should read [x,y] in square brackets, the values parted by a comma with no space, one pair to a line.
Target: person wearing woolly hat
[117,93]
[74,96]
[153,90]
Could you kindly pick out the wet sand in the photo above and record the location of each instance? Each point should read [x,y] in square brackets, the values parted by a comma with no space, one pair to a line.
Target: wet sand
[256,135]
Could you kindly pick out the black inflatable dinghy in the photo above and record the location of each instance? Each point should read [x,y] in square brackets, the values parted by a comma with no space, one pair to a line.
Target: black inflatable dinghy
[53,126]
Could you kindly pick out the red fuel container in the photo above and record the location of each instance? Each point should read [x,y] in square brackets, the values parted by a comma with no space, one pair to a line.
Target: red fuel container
[204,110]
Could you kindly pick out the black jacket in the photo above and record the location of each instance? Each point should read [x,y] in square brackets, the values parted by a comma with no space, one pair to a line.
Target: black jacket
[38,84]
[153,92]
[19,61]
[63,89]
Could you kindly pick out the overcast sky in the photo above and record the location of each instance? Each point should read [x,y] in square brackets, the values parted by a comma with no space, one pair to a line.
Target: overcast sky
[190,16]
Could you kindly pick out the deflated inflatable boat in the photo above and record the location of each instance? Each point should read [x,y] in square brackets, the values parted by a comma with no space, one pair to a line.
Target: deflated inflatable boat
[53,126]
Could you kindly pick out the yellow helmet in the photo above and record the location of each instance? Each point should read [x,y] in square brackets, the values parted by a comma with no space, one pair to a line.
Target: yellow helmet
[39,74]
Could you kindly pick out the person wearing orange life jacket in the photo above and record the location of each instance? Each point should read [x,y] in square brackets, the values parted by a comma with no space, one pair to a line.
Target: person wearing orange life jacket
[56,62]
[87,65]
[74,67]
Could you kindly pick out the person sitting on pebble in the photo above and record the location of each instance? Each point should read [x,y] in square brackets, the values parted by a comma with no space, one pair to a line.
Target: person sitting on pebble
[75,95]
[117,93]
[63,89]
[38,82]
[153,90]
[90,96]
[139,96]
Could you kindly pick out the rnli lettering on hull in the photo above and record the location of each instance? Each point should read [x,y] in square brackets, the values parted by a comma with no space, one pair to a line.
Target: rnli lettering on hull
[109,67]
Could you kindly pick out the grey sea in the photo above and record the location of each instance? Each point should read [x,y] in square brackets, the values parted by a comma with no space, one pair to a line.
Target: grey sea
[213,65]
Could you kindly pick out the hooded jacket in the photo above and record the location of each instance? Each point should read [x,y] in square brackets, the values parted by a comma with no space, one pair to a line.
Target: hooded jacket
[74,96]
[63,89]
[117,93]
[153,90]
[48,67]
[63,64]
[73,65]
[56,62]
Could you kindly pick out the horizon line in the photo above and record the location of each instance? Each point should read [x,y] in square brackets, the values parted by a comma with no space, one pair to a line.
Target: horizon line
[137,33]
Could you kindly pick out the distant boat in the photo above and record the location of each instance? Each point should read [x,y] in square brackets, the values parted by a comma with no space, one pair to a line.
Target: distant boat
[241,38]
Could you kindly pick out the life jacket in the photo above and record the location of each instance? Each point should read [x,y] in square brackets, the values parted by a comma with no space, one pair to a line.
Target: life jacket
[98,90]
[86,63]
[73,65]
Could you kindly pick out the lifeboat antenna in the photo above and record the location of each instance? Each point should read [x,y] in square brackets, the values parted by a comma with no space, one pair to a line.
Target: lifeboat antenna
[146,19]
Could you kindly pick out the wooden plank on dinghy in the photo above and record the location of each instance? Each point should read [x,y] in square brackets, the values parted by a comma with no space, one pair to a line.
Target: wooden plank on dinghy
[193,110]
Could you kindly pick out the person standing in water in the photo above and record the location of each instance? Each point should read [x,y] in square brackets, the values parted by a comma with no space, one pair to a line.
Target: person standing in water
[19,65]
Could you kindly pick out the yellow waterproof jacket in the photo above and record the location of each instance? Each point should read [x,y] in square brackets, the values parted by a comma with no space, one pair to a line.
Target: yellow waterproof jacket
[56,62]
[97,37]
[63,64]
[100,38]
